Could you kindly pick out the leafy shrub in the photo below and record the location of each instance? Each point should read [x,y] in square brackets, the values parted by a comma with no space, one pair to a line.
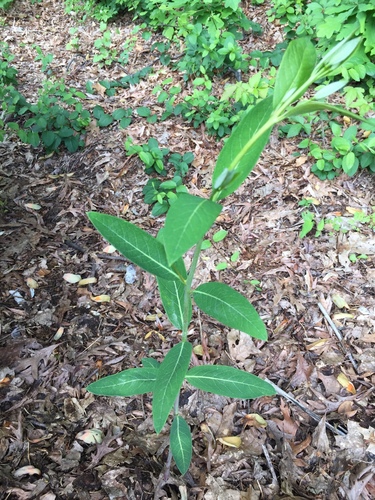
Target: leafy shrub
[5,4]
[7,72]
[208,53]
[49,122]
[105,54]
[347,153]
[157,160]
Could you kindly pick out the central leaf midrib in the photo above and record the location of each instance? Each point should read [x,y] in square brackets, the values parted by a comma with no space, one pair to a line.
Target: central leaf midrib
[170,378]
[188,222]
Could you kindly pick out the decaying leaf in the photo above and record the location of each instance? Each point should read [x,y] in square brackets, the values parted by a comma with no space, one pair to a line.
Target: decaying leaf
[90,436]
[72,278]
[345,382]
[231,441]
[27,470]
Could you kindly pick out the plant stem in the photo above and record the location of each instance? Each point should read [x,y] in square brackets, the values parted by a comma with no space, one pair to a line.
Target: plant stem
[187,292]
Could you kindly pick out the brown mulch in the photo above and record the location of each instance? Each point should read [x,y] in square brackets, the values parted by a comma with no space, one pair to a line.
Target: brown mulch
[55,338]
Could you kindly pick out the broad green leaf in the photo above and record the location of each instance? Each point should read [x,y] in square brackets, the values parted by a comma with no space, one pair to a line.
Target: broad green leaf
[230,307]
[134,243]
[179,266]
[126,383]
[187,221]
[172,297]
[295,69]
[150,363]
[181,443]
[228,381]
[240,154]
[170,376]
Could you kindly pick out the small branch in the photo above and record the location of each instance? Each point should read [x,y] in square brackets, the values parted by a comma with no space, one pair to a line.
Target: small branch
[270,466]
[344,348]
[314,416]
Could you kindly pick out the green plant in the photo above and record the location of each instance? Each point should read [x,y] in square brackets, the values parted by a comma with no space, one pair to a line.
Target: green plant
[355,222]
[5,4]
[45,59]
[124,82]
[207,53]
[73,43]
[161,193]
[186,224]
[150,154]
[103,45]
[347,153]
[51,121]
[203,107]
[7,72]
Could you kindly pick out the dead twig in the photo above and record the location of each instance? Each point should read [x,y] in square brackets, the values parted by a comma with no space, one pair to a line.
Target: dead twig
[343,347]
[314,416]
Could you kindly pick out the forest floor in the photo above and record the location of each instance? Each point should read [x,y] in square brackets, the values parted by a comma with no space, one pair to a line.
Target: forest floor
[56,339]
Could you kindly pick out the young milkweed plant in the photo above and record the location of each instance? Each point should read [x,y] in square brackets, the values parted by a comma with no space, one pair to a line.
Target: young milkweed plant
[188,220]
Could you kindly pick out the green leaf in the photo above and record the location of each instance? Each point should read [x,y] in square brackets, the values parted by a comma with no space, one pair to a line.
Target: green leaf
[295,69]
[228,381]
[48,138]
[172,297]
[143,111]
[187,221]
[170,376]
[230,307]
[33,139]
[181,443]
[150,363]
[308,222]
[134,243]
[72,143]
[330,89]
[348,162]
[105,120]
[168,32]
[339,53]
[219,235]
[118,114]
[239,154]
[221,266]
[126,383]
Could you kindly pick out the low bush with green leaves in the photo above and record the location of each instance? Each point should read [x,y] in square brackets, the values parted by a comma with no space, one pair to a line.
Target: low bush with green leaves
[348,152]
[5,4]
[105,54]
[209,53]
[157,160]
[187,222]
[57,118]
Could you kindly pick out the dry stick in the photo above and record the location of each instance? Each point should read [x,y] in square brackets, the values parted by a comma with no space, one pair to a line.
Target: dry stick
[340,432]
[269,462]
[339,337]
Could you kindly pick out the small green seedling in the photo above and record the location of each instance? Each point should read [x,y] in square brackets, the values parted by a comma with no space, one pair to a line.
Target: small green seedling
[187,222]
